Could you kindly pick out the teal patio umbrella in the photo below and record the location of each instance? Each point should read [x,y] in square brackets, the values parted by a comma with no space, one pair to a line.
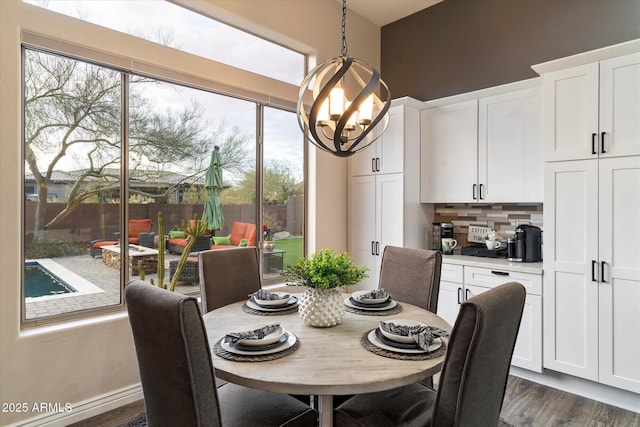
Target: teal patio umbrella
[213,184]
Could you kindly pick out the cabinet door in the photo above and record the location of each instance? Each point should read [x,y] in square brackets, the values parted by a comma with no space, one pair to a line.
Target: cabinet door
[510,147]
[571,247]
[620,106]
[362,227]
[386,154]
[389,212]
[527,352]
[449,298]
[449,155]
[571,113]
[364,162]
[619,309]
[391,144]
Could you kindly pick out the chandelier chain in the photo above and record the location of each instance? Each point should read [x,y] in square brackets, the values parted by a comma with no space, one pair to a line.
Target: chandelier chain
[343,52]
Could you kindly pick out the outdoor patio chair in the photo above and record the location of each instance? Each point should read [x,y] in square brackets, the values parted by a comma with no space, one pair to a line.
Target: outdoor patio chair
[473,378]
[177,372]
[140,232]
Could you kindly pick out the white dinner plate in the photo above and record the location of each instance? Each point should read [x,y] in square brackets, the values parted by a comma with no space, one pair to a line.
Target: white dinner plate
[357,294]
[288,344]
[268,339]
[293,301]
[389,306]
[400,322]
[437,343]
[273,302]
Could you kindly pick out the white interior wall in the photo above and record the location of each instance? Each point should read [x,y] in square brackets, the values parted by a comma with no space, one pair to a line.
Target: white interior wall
[91,364]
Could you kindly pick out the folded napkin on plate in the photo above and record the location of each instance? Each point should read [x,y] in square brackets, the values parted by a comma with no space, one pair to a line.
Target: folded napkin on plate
[422,335]
[374,294]
[254,334]
[263,294]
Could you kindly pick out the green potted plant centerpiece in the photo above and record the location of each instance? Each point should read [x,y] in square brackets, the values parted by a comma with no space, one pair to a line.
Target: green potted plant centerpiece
[321,274]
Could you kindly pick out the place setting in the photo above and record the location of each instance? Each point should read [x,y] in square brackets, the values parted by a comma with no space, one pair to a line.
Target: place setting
[376,302]
[405,339]
[266,303]
[256,343]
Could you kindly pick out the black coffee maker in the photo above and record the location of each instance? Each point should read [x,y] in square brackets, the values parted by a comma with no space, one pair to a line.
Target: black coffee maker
[528,243]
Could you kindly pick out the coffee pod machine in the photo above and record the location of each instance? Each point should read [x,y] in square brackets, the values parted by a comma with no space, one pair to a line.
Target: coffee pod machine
[526,245]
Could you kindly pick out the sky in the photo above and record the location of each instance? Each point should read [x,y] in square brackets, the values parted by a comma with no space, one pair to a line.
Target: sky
[155,19]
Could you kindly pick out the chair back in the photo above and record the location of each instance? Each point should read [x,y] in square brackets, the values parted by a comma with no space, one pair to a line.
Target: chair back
[476,367]
[412,276]
[175,364]
[227,276]
[137,226]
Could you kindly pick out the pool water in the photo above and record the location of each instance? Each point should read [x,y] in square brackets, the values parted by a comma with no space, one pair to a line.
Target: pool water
[38,281]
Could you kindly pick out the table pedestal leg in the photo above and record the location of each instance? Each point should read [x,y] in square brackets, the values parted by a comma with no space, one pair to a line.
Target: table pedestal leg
[325,410]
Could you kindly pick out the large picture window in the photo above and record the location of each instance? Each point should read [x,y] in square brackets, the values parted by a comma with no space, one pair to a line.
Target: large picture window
[110,155]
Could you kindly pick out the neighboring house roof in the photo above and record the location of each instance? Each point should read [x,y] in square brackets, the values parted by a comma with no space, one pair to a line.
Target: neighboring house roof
[163,178]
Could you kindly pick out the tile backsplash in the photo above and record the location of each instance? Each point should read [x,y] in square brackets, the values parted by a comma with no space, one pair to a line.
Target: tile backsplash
[501,217]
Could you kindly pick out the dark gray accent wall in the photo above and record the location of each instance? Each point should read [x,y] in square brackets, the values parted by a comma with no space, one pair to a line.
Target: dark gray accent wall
[457,46]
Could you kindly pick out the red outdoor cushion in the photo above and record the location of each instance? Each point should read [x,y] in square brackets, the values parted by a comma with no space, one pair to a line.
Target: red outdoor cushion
[137,226]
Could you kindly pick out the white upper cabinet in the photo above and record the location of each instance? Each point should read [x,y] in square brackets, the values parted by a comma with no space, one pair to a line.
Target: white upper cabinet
[487,149]
[449,153]
[386,154]
[620,106]
[510,147]
[593,110]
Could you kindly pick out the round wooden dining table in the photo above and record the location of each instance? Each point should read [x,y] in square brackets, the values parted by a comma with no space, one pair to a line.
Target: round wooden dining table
[328,362]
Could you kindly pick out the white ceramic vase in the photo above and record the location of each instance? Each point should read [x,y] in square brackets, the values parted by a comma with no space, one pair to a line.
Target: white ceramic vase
[321,308]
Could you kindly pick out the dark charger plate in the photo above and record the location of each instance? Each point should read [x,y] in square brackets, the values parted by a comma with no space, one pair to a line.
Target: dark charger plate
[392,343]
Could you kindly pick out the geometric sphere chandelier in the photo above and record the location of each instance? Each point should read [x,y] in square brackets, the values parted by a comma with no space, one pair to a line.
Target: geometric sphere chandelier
[350,103]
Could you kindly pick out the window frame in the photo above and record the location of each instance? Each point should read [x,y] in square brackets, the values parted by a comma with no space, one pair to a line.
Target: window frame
[127,67]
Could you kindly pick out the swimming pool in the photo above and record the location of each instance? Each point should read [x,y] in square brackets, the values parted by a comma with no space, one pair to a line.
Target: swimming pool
[45,279]
[39,281]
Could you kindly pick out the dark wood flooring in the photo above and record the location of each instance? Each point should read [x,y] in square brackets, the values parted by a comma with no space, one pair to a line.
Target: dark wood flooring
[525,404]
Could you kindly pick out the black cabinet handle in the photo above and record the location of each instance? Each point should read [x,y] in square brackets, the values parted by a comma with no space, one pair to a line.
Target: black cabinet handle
[373,247]
[480,196]
[602,143]
[466,294]
[373,164]
[377,164]
[500,273]
[474,191]
[459,295]
[593,270]
[602,270]
[377,248]
[593,143]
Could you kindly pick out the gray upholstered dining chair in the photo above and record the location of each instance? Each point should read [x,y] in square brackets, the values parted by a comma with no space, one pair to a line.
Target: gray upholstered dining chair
[228,276]
[177,372]
[412,276]
[473,377]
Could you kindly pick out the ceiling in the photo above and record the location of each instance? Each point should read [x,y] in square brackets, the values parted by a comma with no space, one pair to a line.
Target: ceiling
[383,12]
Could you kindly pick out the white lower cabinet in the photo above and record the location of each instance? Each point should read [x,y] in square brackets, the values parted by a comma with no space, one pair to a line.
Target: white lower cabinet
[450,295]
[459,283]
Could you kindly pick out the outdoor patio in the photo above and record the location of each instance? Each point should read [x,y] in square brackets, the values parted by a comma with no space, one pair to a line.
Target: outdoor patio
[106,278]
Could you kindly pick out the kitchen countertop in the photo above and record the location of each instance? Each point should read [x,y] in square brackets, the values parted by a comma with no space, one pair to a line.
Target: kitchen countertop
[498,263]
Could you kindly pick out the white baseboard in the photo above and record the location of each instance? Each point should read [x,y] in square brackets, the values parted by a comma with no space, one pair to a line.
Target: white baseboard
[86,409]
[589,389]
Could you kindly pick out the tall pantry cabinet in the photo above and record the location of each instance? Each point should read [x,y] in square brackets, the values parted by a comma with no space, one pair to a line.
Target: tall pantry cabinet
[384,192]
[592,216]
